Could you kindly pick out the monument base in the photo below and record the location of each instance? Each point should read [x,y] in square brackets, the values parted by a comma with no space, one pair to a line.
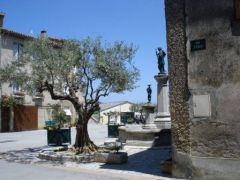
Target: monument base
[149,126]
[163,120]
[163,124]
[137,136]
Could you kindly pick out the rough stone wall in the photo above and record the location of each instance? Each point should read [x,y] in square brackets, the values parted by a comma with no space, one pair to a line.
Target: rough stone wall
[177,64]
[214,71]
[205,146]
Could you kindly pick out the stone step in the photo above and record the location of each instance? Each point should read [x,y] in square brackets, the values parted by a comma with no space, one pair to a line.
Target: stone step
[139,143]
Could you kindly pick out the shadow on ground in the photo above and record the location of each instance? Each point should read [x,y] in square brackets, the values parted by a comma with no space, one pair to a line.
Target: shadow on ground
[139,161]
[147,162]
[26,155]
[7,141]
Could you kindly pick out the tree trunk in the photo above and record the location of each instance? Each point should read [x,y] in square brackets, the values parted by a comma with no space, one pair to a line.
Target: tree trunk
[83,142]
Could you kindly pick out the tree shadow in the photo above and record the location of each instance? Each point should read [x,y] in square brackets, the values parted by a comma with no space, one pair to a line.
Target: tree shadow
[147,161]
[7,141]
[26,155]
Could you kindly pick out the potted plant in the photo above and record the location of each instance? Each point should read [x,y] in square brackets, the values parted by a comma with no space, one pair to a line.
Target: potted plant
[113,124]
[7,104]
[56,133]
[38,98]
[39,95]
[19,94]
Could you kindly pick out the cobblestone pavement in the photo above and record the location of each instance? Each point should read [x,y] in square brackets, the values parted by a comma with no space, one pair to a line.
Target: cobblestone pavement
[23,147]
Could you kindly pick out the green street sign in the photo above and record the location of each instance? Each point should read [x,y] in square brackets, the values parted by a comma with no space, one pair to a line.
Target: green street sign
[197,45]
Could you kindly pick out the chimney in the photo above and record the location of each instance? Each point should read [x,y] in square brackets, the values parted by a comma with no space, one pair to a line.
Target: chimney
[1,19]
[43,34]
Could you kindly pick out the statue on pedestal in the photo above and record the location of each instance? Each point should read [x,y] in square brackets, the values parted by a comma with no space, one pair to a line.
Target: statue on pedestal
[160,56]
[149,92]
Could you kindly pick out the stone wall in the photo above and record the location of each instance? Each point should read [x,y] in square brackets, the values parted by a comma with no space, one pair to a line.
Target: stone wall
[214,72]
[204,89]
[179,95]
[178,87]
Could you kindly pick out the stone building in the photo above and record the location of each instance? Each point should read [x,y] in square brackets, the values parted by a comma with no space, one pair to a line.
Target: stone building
[36,109]
[203,40]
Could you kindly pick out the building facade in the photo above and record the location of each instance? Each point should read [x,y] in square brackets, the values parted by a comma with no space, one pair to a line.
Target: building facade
[35,110]
[112,111]
[203,39]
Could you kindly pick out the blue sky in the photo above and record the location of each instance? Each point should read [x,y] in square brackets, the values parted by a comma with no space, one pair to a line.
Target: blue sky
[141,22]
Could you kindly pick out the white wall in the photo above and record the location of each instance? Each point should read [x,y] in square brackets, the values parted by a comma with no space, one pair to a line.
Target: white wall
[121,108]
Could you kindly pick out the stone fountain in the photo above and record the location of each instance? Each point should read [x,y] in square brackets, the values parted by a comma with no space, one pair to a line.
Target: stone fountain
[155,122]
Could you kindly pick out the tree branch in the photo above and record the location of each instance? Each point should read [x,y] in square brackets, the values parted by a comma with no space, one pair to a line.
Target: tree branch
[54,96]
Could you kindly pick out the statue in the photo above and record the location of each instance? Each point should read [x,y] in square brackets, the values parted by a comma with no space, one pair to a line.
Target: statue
[149,92]
[160,55]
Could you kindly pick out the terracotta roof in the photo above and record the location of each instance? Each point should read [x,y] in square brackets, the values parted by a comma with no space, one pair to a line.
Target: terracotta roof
[56,41]
[15,34]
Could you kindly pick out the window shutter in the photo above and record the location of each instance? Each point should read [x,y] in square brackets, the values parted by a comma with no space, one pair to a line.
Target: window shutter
[237,9]
[15,51]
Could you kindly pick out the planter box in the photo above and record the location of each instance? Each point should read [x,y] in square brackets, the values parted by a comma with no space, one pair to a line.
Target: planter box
[59,137]
[19,93]
[113,130]
[38,100]
[111,158]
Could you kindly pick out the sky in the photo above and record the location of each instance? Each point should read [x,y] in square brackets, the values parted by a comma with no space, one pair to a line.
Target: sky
[141,22]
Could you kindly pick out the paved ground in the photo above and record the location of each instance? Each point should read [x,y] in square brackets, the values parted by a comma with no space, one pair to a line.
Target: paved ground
[23,147]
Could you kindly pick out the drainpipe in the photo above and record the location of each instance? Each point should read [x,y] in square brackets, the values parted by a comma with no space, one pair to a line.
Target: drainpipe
[1,25]
[11,121]
[0,83]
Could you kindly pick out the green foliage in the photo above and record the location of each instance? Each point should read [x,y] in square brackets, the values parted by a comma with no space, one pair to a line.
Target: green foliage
[130,121]
[10,101]
[68,68]
[39,94]
[59,116]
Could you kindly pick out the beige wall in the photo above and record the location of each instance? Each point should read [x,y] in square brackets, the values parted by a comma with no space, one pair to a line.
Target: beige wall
[44,114]
[68,105]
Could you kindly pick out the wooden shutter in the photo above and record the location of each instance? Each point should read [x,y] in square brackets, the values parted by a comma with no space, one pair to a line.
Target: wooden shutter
[25,118]
[237,9]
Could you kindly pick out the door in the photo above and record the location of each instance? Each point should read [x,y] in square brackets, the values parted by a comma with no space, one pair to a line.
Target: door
[25,118]
[5,119]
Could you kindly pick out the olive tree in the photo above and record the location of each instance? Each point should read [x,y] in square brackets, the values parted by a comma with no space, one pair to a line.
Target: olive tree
[80,71]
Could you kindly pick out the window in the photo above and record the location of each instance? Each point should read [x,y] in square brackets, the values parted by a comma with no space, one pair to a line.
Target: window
[236,18]
[16,88]
[237,9]
[16,50]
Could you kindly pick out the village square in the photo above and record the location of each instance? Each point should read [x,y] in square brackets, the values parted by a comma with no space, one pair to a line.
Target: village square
[54,122]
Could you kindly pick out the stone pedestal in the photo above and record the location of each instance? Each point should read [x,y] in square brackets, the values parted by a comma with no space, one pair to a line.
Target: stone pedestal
[162,93]
[162,119]
[153,132]
[148,109]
